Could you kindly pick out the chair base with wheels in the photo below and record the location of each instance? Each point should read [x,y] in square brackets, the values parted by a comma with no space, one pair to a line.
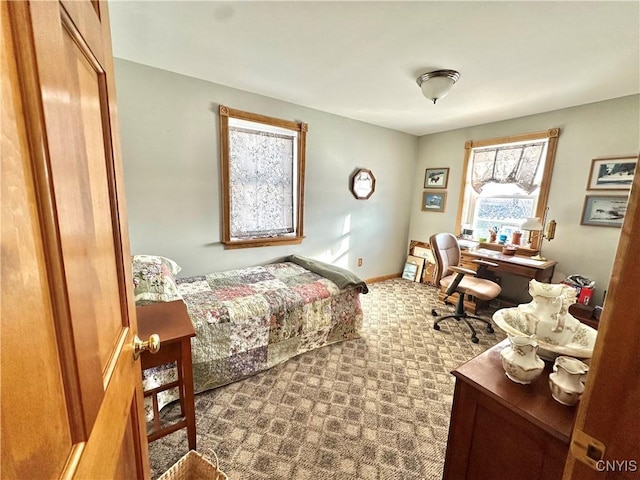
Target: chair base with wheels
[461,280]
[461,316]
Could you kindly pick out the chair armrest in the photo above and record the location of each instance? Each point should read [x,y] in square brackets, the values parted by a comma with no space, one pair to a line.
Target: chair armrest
[464,271]
[485,263]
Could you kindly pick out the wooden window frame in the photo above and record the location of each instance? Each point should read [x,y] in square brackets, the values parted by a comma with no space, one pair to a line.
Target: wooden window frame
[543,197]
[301,129]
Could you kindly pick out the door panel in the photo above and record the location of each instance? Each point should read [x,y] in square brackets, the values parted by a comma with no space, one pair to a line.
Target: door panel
[105,451]
[66,254]
[608,410]
[85,210]
[28,332]
[125,468]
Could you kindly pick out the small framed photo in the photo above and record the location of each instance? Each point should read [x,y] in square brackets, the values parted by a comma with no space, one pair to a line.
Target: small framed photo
[419,262]
[604,210]
[436,177]
[410,271]
[433,201]
[615,173]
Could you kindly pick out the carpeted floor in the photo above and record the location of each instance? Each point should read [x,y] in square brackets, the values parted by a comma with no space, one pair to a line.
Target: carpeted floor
[373,408]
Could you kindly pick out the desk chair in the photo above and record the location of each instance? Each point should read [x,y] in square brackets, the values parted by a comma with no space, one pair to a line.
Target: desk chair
[453,278]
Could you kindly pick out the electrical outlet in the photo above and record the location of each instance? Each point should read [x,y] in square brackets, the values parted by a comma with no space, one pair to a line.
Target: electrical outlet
[359,262]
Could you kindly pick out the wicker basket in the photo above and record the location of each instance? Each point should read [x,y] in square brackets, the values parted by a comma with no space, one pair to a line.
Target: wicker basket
[193,466]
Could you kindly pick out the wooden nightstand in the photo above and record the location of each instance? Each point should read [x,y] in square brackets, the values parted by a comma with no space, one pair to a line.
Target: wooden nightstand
[171,322]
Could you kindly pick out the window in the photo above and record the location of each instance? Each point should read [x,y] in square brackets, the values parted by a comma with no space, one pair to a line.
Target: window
[262,172]
[506,180]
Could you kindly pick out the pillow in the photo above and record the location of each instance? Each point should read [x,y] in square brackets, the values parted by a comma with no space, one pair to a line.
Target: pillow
[157,259]
[154,279]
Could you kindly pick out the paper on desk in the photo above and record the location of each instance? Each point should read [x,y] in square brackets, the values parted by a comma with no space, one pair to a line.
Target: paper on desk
[528,261]
[485,252]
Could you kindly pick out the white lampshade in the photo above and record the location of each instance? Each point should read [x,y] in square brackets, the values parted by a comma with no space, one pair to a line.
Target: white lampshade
[436,85]
[531,224]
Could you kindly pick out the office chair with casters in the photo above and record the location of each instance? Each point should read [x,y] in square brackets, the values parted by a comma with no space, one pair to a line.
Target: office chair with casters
[464,281]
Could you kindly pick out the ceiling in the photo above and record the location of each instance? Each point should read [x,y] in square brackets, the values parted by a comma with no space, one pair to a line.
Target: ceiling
[360,60]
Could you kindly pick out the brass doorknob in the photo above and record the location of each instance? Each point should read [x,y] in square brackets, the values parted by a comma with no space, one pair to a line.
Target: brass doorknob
[153,345]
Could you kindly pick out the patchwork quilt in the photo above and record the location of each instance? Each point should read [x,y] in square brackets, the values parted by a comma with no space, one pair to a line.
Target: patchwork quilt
[252,319]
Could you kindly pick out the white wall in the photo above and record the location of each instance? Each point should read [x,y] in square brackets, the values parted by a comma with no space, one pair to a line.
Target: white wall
[586,132]
[169,130]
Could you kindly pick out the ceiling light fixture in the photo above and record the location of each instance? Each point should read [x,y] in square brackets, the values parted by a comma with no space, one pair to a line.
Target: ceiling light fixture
[436,85]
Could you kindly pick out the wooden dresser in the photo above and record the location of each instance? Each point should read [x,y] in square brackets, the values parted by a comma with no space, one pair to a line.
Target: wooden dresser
[502,430]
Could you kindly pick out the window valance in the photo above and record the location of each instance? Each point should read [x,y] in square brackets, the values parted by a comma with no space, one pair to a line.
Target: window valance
[515,164]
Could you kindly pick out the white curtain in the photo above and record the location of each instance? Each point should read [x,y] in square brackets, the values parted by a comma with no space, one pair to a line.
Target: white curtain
[262,183]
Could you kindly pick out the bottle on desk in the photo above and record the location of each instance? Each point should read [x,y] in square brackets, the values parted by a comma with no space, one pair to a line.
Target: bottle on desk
[493,234]
[516,237]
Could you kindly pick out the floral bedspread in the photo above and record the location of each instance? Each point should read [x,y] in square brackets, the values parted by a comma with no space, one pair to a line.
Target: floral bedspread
[252,319]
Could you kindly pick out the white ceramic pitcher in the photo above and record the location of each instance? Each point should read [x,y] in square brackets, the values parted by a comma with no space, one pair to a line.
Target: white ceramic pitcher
[547,313]
[567,380]
[520,360]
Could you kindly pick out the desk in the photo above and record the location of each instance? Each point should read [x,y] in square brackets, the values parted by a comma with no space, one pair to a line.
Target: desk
[171,322]
[513,292]
[520,265]
[500,429]
[513,264]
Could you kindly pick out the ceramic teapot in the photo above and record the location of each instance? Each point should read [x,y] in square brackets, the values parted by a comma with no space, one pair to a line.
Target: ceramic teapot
[567,379]
[520,360]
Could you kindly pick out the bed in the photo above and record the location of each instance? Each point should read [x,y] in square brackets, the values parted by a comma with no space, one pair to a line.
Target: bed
[251,319]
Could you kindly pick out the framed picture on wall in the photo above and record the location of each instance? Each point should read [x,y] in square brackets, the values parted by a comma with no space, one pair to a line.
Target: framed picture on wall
[433,201]
[436,177]
[604,210]
[615,173]
[363,184]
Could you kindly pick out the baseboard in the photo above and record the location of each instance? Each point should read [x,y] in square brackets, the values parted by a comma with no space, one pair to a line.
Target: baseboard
[383,278]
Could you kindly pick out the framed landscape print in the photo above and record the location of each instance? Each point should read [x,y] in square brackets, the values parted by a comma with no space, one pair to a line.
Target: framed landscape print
[436,177]
[417,274]
[612,173]
[604,210]
[433,201]
[410,271]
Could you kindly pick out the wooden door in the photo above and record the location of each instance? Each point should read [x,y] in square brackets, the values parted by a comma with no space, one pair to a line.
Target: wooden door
[71,393]
[609,410]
